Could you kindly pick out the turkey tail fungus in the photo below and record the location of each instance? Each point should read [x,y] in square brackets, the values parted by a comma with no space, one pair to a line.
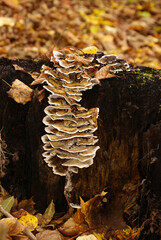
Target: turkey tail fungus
[69,142]
[128,162]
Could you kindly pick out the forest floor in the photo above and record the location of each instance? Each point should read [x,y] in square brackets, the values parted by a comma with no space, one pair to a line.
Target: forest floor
[130,29]
[31,29]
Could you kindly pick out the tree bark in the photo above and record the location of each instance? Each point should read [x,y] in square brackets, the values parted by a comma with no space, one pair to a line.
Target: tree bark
[128,163]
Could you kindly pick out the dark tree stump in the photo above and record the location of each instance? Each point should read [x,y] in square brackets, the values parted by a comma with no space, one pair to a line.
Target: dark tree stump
[129,138]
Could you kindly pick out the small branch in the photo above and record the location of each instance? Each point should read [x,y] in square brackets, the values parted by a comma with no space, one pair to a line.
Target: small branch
[29,233]
[7,214]
[6,83]
[26,231]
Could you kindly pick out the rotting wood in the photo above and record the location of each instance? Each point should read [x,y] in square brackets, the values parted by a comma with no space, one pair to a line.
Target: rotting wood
[129,107]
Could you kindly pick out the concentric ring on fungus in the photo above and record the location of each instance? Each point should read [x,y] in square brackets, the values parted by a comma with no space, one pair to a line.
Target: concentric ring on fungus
[69,142]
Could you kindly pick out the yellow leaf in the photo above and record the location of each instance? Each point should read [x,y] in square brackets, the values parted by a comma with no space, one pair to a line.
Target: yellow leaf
[91,208]
[99,236]
[29,221]
[90,50]
[98,12]
[127,231]
[94,29]
[106,22]
[114,5]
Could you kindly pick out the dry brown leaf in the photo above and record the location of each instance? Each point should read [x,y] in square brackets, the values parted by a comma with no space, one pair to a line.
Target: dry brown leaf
[81,59]
[28,205]
[71,228]
[14,227]
[11,3]
[91,208]
[79,217]
[21,237]
[49,235]
[19,213]
[48,214]
[3,194]
[19,68]
[41,95]
[72,38]
[103,73]
[3,231]
[38,80]
[35,76]
[20,92]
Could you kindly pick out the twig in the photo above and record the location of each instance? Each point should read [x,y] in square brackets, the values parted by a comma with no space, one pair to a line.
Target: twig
[6,83]
[26,231]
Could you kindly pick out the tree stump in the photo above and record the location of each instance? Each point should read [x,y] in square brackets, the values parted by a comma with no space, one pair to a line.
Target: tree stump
[128,163]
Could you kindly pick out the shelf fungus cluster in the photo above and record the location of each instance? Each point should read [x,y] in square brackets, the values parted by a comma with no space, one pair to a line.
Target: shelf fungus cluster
[69,142]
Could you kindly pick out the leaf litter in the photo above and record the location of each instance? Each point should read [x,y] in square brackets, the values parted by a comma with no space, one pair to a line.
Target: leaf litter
[130,29]
[31,29]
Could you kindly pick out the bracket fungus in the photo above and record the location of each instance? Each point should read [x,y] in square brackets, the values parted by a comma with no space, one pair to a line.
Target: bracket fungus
[69,142]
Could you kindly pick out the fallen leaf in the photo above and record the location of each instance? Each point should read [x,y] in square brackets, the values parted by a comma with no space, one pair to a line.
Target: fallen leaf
[99,236]
[87,237]
[20,213]
[29,221]
[127,233]
[38,79]
[94,29]
[103,73]
[19,68]
[11,3]
[20,92]
[90,209]
[144,14]
[71,228]
[49,235]
[79,217]
[14,226]
[3,230]
[90,50]
[41,95]
[21,237]
[35,76]
[3,194]
[48,215]
[7,204]
[7,21]
[28,205]
[81,59]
